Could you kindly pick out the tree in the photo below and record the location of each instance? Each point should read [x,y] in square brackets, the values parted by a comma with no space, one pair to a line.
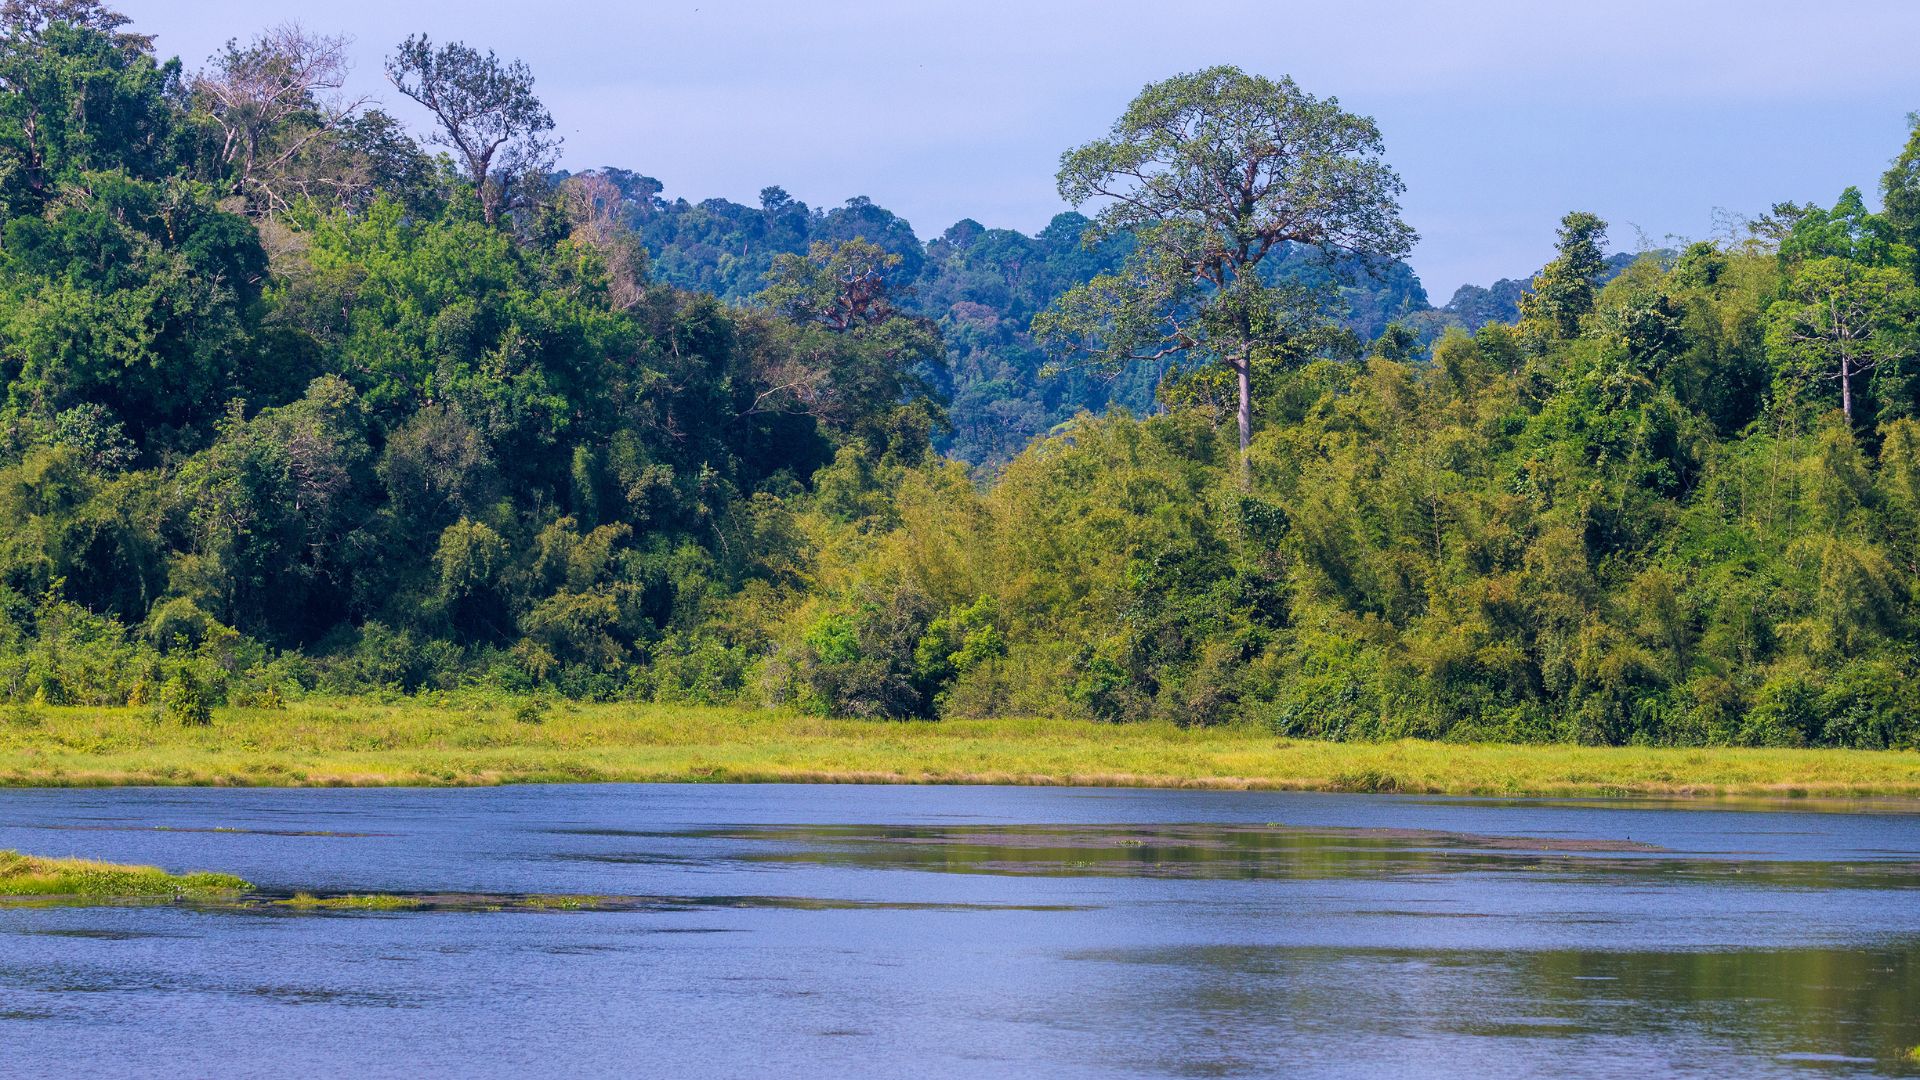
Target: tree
[1210,173]
[486,112]
[597,216]
[78,94]
[1849,230]
[1901,188]
[135,295]
[850,357]
[1564,289]
[272,99]
[1838,319]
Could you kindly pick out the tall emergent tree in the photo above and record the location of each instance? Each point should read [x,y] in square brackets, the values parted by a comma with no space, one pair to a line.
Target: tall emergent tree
[1563,290]
[1837,319]
[272,99]
[1210,173]
[1901,187]
[486,111]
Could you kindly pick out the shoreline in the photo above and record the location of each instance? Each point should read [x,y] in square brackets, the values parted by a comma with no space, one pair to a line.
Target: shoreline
[454,743]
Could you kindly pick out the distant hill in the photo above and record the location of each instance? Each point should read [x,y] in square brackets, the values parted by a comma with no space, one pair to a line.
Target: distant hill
[983,286]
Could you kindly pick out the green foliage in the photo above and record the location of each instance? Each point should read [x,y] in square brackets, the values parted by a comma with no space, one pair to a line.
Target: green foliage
[1839,319]
[185,700]
[307,411]
[1900,187]
[1564,290]
[845,353]
[863,662]
[1209,173]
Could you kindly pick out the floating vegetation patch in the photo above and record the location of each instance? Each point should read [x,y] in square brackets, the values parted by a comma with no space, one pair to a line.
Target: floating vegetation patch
[27,880]
[494,902]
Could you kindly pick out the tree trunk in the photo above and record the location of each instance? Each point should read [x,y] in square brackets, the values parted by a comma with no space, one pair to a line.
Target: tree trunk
[1243,367]
[1846,389]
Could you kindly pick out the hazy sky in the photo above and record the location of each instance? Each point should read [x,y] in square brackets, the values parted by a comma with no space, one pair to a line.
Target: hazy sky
[1500,114]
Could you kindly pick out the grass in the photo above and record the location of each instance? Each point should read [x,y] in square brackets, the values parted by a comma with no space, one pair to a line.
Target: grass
[33,876]
[349,902]
[353,742]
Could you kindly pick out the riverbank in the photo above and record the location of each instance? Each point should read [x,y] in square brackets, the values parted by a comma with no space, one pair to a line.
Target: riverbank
[358,742]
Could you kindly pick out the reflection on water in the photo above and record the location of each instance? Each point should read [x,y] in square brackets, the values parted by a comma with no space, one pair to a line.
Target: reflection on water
[1277,851]
[1696,1010]
[966,932]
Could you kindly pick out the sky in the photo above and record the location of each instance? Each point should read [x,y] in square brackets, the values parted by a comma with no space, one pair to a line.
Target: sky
[1666,117]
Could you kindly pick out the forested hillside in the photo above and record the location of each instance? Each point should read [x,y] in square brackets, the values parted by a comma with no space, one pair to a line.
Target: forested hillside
[298,403]
[983,287]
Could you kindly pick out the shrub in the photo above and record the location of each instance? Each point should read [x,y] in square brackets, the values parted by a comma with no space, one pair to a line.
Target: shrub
[1866,704]
[1786,710]
[700,670]
[184,699]
[862,662]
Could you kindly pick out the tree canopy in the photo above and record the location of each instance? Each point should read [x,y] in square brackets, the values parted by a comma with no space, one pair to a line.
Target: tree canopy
[1209,174]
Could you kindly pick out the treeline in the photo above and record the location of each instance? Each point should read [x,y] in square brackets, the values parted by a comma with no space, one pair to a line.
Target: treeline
[1682,508]
[296,404]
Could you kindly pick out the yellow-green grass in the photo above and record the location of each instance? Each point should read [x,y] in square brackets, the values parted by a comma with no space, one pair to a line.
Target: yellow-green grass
[413,742]
[347,902]
[33,876]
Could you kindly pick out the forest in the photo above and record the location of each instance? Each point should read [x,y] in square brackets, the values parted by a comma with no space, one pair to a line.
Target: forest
[300,403]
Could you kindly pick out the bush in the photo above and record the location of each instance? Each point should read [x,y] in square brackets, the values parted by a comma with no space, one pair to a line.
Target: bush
[1867,705]
[862,662]
[1786,710]
[184,699]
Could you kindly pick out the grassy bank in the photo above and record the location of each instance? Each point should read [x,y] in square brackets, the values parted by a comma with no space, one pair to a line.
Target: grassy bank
[337,743]
[36,877]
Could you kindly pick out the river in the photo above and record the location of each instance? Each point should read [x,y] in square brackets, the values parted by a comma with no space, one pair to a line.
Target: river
[844,931]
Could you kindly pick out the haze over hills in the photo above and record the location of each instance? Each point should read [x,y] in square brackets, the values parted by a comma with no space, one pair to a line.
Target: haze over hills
[983,286]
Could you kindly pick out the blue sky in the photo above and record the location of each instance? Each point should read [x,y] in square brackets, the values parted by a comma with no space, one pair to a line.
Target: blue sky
[1501,115]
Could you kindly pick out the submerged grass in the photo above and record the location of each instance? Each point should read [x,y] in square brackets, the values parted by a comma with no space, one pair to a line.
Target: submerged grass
[352,742]
[34,876]
[349,902]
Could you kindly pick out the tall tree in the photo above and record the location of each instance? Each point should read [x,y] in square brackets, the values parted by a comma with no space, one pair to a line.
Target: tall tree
[1901,188]
[1563,290]
[1839,319]
[1211,173]
[485,110]
[272,99]
[77,94]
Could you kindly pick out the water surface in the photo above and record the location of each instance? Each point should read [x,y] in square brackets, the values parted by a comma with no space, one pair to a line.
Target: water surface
[969,932]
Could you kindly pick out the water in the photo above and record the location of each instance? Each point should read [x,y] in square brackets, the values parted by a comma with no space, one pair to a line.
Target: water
[970,932]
